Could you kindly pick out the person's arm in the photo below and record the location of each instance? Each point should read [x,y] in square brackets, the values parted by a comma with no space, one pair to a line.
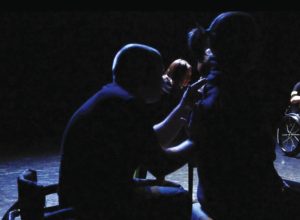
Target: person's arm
[295,96]
[180,152]
[295,99]
[167,130]
[173,158]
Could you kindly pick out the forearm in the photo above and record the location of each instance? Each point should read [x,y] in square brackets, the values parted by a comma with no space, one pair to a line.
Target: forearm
[175,157]
[295,99]
[181,152]
[168,129]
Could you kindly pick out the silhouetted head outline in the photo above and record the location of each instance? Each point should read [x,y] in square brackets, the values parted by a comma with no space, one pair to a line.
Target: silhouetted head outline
[197,42]
[138,68]
[234,40]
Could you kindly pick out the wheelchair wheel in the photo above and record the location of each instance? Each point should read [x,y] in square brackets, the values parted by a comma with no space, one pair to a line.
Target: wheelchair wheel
[288,134]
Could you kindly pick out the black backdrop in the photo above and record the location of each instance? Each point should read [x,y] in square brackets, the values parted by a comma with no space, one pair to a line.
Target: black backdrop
[50,62]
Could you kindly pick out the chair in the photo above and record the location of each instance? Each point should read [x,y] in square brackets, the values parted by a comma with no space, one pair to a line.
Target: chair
[32,198]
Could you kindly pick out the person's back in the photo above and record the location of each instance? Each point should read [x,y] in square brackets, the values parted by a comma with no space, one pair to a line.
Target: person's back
[237,179]
[104,141]
[235,162]
[100,155]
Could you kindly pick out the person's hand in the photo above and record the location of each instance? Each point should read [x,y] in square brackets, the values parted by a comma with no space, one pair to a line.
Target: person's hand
[192,94]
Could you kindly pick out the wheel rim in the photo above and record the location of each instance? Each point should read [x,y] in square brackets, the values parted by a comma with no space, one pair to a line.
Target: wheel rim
[288,135]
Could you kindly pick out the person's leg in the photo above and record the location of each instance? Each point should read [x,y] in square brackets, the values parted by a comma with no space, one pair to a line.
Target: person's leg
[198,213]
[162,202]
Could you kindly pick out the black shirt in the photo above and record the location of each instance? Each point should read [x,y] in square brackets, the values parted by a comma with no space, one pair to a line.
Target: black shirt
[237,178]
[104,142]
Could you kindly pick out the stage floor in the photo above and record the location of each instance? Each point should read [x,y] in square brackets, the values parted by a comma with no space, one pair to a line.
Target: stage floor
[47,166]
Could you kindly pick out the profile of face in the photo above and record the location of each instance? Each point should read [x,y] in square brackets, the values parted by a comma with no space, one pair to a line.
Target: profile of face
[180,72]
[151,87]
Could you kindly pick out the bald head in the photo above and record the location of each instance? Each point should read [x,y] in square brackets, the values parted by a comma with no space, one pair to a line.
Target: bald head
[138,68]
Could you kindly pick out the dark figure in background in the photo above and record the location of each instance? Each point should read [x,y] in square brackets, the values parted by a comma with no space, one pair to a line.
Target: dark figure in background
[295,99]
[175,81]
[237,178]
[110,135]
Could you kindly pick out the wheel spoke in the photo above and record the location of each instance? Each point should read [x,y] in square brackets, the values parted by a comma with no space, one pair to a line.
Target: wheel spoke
[296,129]
[288,134]
[293,145]
[286,140]
[292,127]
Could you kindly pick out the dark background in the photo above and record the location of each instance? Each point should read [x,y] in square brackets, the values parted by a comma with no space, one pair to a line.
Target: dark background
[52,61]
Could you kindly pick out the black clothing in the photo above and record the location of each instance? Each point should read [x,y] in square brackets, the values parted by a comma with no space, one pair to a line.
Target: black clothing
[237,179]
[105,141]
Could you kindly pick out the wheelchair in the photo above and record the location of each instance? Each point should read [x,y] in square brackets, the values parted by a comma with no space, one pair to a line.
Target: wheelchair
[288,133]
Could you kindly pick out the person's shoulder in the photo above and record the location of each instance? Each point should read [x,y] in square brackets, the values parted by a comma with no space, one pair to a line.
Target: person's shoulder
[110,94]
[297,86]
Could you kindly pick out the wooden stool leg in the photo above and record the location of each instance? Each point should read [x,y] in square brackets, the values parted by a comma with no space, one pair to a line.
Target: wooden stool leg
[191,178]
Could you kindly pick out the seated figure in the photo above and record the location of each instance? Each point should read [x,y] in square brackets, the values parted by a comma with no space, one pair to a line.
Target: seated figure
[111,134]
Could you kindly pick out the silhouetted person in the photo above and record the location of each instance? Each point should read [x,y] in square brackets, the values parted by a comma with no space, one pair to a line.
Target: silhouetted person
[111,134]
[295,98]
[237,178]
